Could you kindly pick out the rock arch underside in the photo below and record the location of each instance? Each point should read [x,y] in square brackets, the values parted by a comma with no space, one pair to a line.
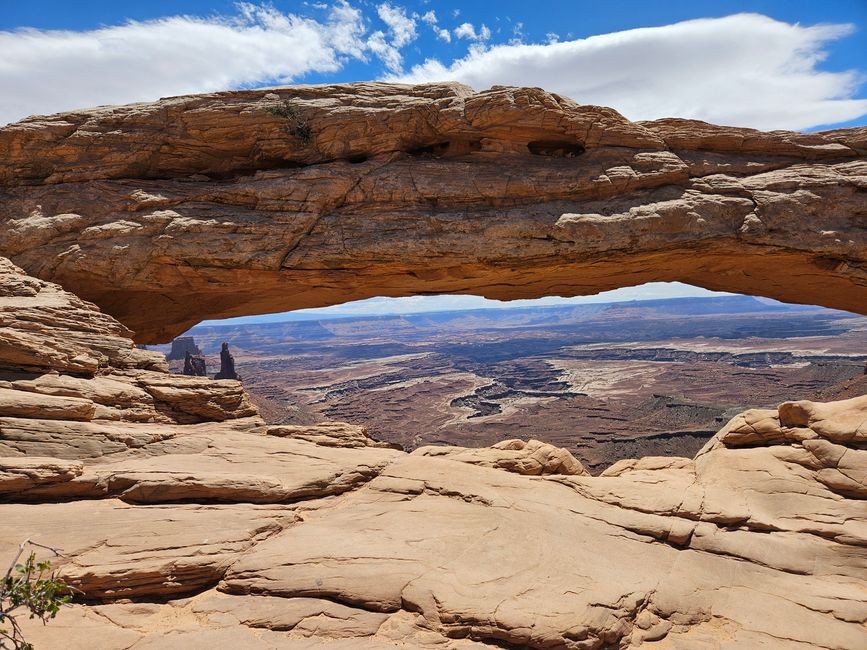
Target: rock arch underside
[246,202]
[185,521]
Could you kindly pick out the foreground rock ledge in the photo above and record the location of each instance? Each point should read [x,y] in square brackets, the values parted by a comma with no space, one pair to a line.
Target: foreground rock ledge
[186,522]
[256,201]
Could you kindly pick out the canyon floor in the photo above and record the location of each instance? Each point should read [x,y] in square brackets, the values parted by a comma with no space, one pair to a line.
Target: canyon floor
[607,381]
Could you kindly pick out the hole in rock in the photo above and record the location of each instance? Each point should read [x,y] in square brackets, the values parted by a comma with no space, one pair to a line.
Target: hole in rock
[430,150]
[355,160]
[649,370]
[555,148]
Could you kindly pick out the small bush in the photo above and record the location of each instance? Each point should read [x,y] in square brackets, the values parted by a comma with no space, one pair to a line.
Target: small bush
[296,126]
[29,586]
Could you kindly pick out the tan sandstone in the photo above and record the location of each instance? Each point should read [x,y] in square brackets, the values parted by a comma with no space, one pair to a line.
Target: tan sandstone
[224,532]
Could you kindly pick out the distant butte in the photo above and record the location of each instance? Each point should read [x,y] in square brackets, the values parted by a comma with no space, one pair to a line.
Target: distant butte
[256,201]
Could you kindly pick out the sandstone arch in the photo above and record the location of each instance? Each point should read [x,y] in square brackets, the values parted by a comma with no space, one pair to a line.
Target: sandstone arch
[254,201]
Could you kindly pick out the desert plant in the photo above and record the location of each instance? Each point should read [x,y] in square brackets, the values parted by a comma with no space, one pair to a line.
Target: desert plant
[297,126]
[28,587]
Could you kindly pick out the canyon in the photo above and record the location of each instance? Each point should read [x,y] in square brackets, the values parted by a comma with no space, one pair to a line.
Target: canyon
[185,520]
[606,381]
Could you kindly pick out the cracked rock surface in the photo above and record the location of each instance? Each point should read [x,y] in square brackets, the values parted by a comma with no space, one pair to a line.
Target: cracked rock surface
[166,213]
[186,522]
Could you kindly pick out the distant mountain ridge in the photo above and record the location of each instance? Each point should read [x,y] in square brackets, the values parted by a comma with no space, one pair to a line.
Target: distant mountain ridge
[698,305]
[420,326]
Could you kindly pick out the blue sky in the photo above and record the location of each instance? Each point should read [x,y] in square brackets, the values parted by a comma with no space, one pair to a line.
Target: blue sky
[793,64]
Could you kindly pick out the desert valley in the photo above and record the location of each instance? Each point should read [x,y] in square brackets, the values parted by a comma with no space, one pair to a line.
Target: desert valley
[607,381]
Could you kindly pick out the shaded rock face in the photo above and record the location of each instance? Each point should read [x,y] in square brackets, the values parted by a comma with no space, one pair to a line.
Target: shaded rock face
[186,522]
[324,194]
[227,364]
[195,366]
[181,347]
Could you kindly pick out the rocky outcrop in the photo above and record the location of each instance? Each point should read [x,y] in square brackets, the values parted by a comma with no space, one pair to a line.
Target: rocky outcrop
[195,366]
[185,522]
[530,458]
[227,365]
[331,434]
[266,200]
[181,347]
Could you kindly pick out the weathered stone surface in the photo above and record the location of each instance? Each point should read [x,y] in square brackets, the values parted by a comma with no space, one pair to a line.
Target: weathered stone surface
[220,466]
[112,550]
[215,620]
[168,213]
[532,457]
[742,547]
[62,359]
[19,474]
[330,434]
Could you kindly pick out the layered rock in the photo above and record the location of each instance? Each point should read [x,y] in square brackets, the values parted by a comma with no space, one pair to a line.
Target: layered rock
[227,364]
[168,213]
[532,457]
[226,533]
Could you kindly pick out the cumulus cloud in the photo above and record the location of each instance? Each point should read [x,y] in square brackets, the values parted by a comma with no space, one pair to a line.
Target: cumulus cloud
[468,31]
[49,71]
[441,32]
[745,70]
[401,26]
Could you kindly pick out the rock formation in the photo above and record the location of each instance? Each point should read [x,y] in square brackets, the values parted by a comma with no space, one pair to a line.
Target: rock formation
[186,522]
[214,205]
[195,366]
[182,346]
[227,364]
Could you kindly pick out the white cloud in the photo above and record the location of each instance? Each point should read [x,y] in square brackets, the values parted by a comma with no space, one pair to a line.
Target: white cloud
[401,26]
[390,55]
[441,32]
[745,70]
[51,71]
[468,31]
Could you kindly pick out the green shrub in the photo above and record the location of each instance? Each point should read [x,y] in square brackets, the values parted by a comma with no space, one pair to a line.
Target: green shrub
[33,589]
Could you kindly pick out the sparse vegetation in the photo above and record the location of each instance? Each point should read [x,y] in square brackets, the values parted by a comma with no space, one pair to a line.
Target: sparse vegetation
[297,126]
[28,587]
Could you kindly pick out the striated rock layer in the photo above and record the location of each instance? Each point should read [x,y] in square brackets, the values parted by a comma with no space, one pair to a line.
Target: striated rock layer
[185,522]
[254,201]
